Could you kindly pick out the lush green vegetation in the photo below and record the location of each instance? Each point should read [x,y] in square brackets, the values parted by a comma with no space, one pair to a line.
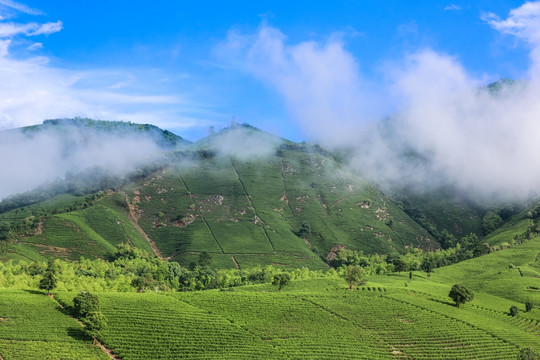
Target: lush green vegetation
[313,316]
[298,257]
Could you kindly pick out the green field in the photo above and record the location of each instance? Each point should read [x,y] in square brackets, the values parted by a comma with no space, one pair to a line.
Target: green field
[390,317]
[310,319]
[32,326]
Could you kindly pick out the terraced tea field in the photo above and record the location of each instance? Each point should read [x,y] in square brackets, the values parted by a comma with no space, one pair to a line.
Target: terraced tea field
[391,317]
[310,319]
[32,326]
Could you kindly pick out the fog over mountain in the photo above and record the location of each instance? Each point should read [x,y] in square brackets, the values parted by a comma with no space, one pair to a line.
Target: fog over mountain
[466,134]
[32,158]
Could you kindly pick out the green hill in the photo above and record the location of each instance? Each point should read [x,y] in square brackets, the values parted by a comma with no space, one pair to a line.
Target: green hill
[83,127]
[243,195]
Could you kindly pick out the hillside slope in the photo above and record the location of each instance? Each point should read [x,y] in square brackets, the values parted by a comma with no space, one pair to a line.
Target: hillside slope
[244,196]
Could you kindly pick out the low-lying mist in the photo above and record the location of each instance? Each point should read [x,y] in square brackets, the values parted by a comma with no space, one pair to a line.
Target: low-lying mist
[30,158]
[244,143]
[443,125]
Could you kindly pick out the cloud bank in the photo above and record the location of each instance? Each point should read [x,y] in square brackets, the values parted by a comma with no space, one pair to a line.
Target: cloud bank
[32,158]
[445,125]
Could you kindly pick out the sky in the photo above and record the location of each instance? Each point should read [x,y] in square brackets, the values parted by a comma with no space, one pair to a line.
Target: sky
[187,66]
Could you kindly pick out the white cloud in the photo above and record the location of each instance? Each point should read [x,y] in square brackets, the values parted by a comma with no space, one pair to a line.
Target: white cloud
[320,83]
[453,7]
[523,23]
[36,158]
[4,47]
[35,46]
[471,137]
[31,29]
[11,29]
[48,28]
[32,90]
[20,7]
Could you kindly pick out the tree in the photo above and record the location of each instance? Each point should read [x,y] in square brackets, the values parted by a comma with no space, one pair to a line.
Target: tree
[447,240]
[529,306]
[4,237]
[205,259]
[95,322]
[427,265]
[468,241]
[400,265]
[4,231]
[392,258]
[85,303]
[281,280]
[461,294]
[490,222]
[354,275]
[141,283]
[305,229]
[528,354]
[514,310]
[128,252]
[481,249]
[49,280]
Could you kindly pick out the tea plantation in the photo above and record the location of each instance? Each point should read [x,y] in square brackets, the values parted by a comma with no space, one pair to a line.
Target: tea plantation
[309,319]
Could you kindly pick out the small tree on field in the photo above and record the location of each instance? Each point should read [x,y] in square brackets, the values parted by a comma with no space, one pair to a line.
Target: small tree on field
[514,310]
[49,280]
[86,307]
[4,231]
[4,236]
[529,306]
[461,294]
[354,275]
[85,303]
[528,354]
[281,280]
[95,322]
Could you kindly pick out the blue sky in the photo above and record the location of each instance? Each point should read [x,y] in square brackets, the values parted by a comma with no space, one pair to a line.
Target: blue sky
[186,65]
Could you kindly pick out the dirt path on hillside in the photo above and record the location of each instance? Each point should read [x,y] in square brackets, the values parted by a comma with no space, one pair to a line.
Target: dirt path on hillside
[105,349]
[134,218]
[236,262]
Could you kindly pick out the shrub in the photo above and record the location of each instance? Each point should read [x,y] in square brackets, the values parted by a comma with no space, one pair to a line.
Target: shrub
[514,310]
